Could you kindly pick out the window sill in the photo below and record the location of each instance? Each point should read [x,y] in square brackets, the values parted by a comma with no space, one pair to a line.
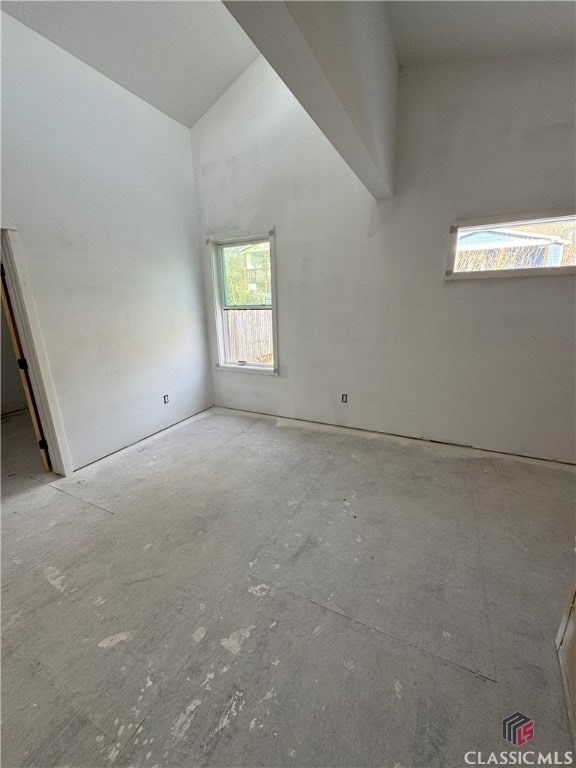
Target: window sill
[248,369]
[495,273]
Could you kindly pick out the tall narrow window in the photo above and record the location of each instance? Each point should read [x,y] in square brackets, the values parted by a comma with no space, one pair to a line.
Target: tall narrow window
[244,294]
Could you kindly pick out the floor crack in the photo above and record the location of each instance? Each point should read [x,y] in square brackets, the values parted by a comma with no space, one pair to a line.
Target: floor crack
[85,501]
[474,672]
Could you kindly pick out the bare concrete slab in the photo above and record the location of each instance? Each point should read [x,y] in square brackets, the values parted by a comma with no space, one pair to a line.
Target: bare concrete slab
[242,590]
[306,686]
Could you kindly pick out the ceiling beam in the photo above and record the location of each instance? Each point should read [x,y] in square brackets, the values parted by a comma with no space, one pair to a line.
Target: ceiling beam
[339,61]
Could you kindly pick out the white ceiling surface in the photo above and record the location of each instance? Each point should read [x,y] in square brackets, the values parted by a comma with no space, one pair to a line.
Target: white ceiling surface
[180,57]
[459,31]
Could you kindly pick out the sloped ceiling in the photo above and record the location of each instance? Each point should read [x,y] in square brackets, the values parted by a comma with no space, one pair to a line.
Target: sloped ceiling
[181,55]
[178,56]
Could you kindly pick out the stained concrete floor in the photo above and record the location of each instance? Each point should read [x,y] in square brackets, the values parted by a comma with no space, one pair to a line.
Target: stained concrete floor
[249,591]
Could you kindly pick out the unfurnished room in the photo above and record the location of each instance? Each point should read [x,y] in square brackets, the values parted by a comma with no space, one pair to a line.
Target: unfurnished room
[288,384]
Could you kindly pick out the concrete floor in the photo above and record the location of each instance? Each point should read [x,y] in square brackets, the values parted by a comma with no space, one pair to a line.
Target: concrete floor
[249,591]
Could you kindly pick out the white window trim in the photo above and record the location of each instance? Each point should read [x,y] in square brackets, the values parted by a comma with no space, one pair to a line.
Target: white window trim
[497,273]
[215,243]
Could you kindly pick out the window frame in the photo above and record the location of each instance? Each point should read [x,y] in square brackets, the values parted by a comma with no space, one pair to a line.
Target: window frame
[216,245]
[511,220]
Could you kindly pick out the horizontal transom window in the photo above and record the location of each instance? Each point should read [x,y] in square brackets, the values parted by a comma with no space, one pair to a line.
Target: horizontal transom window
[510,248]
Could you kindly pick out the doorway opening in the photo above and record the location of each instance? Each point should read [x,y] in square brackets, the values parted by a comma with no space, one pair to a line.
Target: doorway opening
[32,434]
[19,406]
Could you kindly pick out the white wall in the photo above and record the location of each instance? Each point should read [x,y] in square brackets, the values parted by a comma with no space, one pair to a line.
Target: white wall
[100,187]
[13,397]
[363,304]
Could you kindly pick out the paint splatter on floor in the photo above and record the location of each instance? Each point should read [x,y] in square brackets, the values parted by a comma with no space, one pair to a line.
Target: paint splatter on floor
[54,577]
[260,590]
[199,634]
[184,720]
[236,640]
[110,642]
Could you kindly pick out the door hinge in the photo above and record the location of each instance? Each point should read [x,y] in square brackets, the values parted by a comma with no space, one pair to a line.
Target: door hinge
[23,364]
[43,445]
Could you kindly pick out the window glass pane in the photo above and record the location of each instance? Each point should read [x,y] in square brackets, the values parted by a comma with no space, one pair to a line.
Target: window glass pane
[247,275]
[537,244]
[250,336]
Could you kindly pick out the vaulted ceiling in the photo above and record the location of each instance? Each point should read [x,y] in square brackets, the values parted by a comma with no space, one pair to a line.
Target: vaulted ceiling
[340,59]
[181,56]
[178,56]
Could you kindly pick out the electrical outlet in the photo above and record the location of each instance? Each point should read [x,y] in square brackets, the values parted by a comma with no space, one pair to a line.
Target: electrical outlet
[344,398]
[166,399]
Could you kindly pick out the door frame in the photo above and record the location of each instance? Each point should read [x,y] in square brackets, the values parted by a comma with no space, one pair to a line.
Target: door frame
[566,649]
[24,374]
[30,336]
